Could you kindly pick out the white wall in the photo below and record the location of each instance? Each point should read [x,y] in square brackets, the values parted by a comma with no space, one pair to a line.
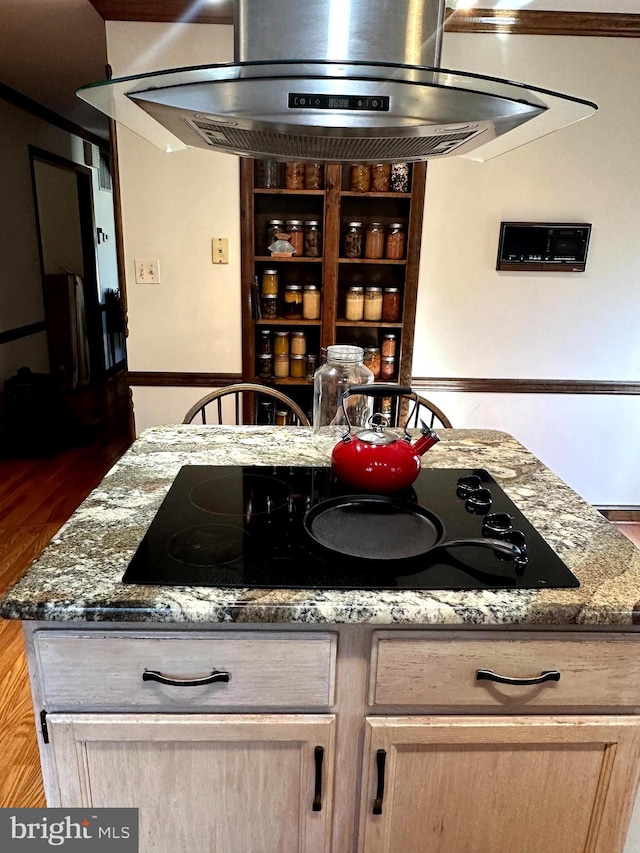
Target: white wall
[472,321]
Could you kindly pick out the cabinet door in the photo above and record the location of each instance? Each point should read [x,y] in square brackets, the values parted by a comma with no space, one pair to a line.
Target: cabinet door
[499,785]
[238,784]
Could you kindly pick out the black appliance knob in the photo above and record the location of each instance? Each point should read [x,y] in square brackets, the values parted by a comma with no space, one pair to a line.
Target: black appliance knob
[497,524]
[478,502]
[467,485]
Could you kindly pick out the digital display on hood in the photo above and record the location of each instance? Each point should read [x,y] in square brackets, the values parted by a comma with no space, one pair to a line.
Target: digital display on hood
[338,102]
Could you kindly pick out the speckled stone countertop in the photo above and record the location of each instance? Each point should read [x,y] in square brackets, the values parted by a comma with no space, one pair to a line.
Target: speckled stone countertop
[77,577]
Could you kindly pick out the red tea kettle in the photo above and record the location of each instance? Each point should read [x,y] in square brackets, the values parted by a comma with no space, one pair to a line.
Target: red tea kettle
[376,459]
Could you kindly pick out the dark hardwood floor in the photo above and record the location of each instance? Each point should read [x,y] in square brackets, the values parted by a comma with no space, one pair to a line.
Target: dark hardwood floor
[36,497]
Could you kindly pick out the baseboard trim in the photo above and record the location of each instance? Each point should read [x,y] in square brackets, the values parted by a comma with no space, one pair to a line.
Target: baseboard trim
[621,513]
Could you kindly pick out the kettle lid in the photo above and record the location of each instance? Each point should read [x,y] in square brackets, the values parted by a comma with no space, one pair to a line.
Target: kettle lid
[375,432]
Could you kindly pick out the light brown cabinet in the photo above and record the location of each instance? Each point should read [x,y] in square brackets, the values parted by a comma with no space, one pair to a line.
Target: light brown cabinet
[449,764]
[332,272]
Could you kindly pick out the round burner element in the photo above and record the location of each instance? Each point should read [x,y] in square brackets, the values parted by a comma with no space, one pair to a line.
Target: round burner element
[241,495]
[208,545]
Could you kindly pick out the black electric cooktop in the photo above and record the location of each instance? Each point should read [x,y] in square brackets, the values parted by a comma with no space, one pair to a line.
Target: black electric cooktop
[245,527]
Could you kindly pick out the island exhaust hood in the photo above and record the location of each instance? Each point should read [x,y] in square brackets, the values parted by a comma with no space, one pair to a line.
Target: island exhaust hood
[337,81]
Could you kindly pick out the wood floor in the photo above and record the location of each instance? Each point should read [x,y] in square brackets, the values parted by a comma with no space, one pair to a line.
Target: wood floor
[36,497]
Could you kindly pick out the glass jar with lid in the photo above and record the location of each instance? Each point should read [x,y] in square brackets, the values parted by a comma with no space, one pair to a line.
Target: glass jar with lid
[295,229]
[387,367]
[269,306]
[264,342]
[374,240]
[269,283]
[281,366]
[373,304]
[391,304]
[274,227]
[394,247]
[312,239]
[265,365]
[380,175]
[388,345]
[281,343]
[268,174]
[360,178]
[293,302]
[297,366]
[298,343]
[310,302]
[343,368]
[399,178]
[294,176]
[354,304]
[313,176]
[372,360]
[353,240]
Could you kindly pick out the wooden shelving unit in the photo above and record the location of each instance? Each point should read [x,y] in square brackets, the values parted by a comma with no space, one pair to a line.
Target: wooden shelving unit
[333,207]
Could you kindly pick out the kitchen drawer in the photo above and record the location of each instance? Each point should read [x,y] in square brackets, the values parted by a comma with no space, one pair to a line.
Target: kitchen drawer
[440,671]
[266,670]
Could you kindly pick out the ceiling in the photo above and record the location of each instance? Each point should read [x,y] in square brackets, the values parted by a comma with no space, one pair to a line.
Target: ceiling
[68,36]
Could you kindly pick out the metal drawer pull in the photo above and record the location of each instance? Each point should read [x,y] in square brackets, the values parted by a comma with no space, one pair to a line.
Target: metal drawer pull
[317,798]
[152,675]
[381,757]
[548,675]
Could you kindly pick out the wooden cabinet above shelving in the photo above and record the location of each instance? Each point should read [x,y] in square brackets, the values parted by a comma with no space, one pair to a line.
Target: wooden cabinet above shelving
[333,207]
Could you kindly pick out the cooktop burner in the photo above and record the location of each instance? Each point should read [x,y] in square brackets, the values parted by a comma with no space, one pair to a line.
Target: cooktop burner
[236,526]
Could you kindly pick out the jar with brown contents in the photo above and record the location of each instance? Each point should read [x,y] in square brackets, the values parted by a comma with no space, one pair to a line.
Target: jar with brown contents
[360,178]
[380,175]
[269,306]
[293,302]
[274,227]
[281,343]
[374,240]
[312,239]
[294,176]
[372,360]
[313,176]
[387,367]
[298,366]
[269,285]
[298,343]
[281,366]
[388,345]
[265,366]
[391,305]
[353,240]
[294,228]
[394,250]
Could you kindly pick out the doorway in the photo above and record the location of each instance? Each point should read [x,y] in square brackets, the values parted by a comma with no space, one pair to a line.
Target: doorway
[82,300]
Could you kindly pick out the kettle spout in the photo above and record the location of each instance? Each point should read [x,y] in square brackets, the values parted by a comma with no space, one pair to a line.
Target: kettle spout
[426,441]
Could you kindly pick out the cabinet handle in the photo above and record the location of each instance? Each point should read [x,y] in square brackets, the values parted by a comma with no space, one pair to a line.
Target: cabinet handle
[215,675]
[317,797]
[381,757]
[547,675]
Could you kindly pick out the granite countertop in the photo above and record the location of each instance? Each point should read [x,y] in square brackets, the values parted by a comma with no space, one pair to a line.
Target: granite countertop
[77,577]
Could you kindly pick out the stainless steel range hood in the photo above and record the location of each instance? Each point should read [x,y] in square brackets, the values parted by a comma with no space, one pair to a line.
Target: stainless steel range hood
[337,81]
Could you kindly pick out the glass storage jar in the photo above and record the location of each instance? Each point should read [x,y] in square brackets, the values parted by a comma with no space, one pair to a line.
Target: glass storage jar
[294,228]
[281,343]
[269,306]
[313,176]
[298,343]
[268,174]
[380,174]
[294,176]
[394,247]
[310,302]
[372,360]
[391,305]
[353,240]
[374,240]
[373,304]
[264,342]
[269,283]
[274,227]
[388,345]
[387,367]
[360,178]
[265,412]
[343,368]
[265,365]
[293,302]
[281,417]
[399,178]
[281,366]
[354,304]
[298,366]
[312,239]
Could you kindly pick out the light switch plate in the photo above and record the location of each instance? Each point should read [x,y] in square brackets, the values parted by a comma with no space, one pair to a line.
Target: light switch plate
[220,250]
[147,272]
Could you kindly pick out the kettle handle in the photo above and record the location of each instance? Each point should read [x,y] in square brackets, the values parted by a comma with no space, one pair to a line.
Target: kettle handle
[380,391]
